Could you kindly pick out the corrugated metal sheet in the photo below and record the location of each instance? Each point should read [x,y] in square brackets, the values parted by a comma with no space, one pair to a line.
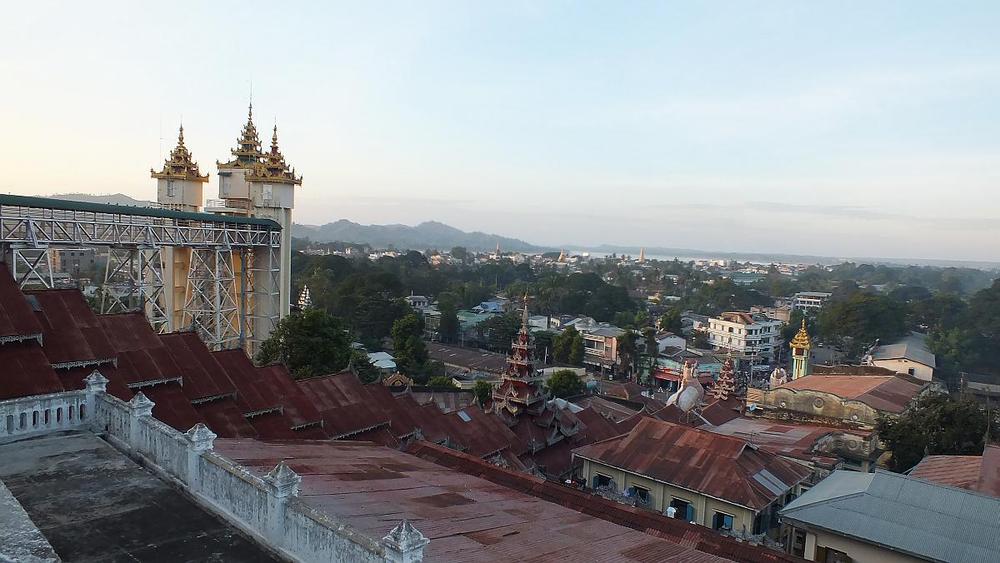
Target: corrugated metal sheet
[885,393]
[70,328]
[16,317]
[953,470]
[715,465]
[24,370]
[904,513]
[466,518]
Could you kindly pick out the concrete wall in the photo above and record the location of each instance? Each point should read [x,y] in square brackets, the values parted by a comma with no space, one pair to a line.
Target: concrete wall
[903,366]
[859,552]
[267,508]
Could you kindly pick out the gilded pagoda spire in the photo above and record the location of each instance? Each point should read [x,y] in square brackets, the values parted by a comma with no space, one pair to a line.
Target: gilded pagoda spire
[247,153]
[273,168]
[180,165]
[801,339]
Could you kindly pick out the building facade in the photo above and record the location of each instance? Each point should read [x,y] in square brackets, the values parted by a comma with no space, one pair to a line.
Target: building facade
[748,336]
[809,300]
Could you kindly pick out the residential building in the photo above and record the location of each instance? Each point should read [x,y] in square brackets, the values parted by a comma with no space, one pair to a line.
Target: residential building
[418,302]
[909,355]
[600,347]
[748,336]
[809,300]
[781,313]
[884,517]
[717,481]
[76,262]
[666,339]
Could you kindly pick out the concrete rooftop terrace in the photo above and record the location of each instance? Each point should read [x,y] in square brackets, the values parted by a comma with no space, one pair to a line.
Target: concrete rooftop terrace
[465,517]
[93,504]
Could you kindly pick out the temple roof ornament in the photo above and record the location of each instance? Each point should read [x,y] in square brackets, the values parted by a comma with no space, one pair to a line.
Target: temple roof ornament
[273,168]
[247,154]
[726,384]
[179,166]
[801,338]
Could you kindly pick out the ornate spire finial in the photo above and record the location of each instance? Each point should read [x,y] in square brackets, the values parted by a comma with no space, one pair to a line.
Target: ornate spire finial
[801,339]
[180,136]
[524,316]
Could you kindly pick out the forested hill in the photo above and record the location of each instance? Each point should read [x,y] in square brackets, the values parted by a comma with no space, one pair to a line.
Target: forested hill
[427,235]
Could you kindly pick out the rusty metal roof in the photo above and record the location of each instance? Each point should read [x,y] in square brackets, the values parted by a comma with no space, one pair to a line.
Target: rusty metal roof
[712,464]
[890,393]
[467,518]
[24,370]
[954,470]
[17,320]
[651,523]
[71,332]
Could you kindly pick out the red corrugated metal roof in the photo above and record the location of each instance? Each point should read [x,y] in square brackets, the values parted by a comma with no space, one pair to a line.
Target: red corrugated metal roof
[651,523]
[70,328]
[466,518]
[199,368]
[172,407]
[24,370]
[16,317]
[890,393]
[225,419]
[694,459]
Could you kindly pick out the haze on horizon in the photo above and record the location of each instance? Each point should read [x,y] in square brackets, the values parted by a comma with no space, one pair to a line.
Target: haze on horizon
[865,129]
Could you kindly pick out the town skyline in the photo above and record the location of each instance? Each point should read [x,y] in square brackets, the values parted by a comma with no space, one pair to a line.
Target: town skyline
[737,130]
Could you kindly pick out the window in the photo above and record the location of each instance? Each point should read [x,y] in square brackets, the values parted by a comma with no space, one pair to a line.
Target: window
[642,496]
[602,481]
[911,371]
[830,555]
[722,521]
[683,510]
[799,543]
[171,189]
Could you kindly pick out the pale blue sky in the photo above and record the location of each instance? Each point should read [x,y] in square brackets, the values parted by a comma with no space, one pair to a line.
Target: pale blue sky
[847,128]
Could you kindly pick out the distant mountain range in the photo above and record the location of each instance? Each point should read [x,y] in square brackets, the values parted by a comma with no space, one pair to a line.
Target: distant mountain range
[427,235]
[112,199]
[435,235]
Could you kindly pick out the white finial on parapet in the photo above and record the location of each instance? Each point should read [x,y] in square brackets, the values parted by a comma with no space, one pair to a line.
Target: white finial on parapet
[284,481]
[96,383]
[141,405]
[404,544]
[202,439]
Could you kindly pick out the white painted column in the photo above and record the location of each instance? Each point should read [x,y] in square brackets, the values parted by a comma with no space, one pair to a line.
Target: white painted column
[140,408]
[404,544]
[200,440]
[283,483]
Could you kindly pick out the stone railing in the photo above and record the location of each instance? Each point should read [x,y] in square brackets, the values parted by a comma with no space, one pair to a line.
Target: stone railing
[267,508]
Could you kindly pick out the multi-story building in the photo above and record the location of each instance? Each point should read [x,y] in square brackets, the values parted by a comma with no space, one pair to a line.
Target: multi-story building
[809,300]
[753,337]
[600,346]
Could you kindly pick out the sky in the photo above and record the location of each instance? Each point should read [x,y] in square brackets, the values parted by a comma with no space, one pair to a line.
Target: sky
[844,128]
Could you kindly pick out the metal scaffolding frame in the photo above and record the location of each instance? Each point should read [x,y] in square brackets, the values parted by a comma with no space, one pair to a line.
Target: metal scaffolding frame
[226,301]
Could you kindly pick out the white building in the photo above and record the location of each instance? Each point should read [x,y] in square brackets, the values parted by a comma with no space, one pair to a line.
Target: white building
[909,356]
[809,300]
[746,335]
[418,302]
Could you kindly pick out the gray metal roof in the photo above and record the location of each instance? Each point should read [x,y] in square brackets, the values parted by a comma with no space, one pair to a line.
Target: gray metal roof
[904,514]
[912,347]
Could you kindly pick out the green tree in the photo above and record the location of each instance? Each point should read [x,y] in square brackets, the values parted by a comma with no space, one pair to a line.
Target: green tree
[544,341]
[498,331]
[310,343]
[408,346]
[564,383]
[576,350]
[628,353]
[936,424]
[448,323]
[460,253]
[699,339]
[858,320]
[671,321]
[562,344]
[483,392]
[441,381]
[364,369]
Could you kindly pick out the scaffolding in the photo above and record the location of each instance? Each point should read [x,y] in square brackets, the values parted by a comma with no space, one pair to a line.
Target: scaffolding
[231,281]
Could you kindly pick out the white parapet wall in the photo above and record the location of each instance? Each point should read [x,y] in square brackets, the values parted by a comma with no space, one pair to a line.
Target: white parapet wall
[267,508]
